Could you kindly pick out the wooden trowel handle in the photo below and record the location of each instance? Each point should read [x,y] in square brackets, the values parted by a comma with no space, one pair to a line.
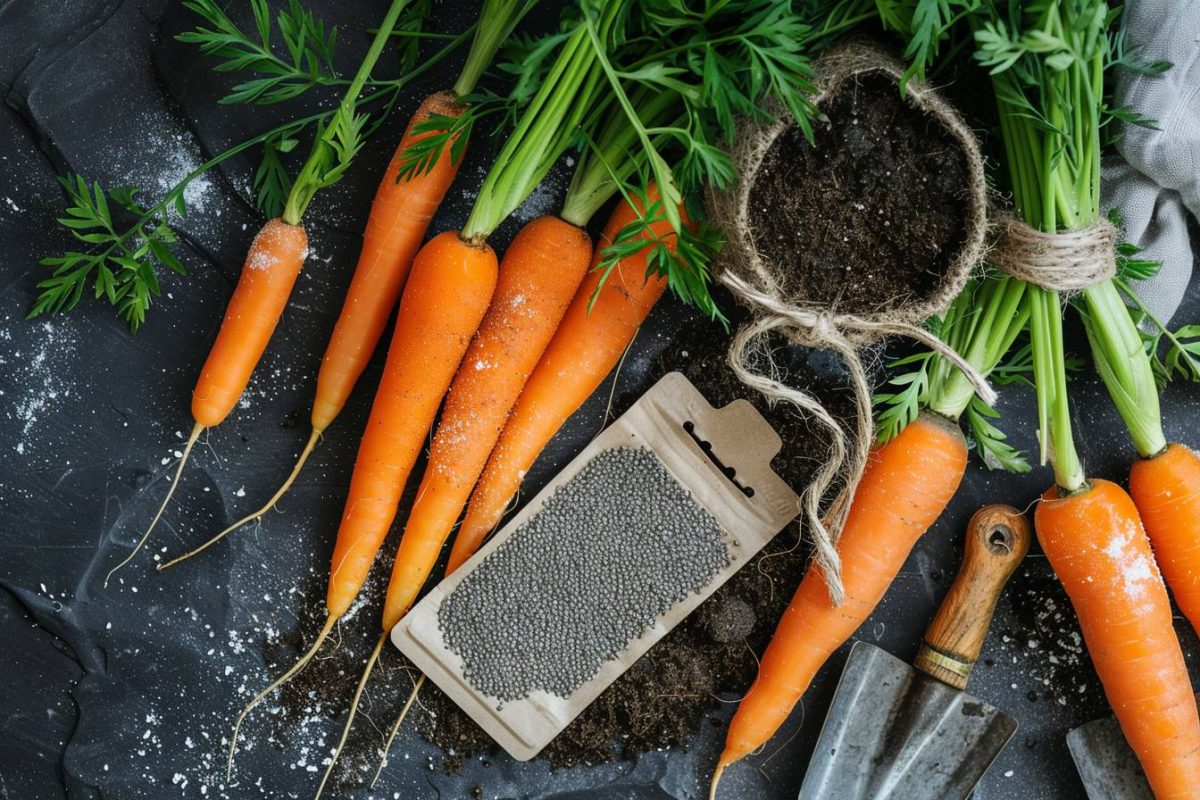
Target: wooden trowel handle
[997,539]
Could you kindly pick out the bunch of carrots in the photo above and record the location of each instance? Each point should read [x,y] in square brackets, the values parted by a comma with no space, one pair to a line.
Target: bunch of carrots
[645,96]
[510,347]
[1048,63]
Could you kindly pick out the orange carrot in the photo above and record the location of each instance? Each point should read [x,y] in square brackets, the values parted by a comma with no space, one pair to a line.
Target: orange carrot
[539,274]
[271,269]
[594,333]
[400,214]
[447,295]
[1166,489]
[1095,542]
[272,265]
[905,488]
[448,291]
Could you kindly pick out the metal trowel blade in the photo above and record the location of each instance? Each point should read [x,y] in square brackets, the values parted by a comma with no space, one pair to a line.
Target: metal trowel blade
[1106,762]
[894,732]
[1108,767]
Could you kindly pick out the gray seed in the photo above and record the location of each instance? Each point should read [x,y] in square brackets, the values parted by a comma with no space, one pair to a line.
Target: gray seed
[612,550]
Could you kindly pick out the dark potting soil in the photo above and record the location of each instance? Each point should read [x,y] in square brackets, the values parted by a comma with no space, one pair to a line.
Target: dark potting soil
[871,213]
[711,655]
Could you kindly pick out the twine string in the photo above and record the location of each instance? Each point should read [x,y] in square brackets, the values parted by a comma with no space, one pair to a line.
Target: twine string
[751,361]
[1064,261]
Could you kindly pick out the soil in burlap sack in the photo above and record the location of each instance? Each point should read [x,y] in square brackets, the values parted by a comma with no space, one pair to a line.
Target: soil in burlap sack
[869,216]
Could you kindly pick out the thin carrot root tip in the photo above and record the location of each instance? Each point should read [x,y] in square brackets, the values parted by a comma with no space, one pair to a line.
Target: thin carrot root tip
[187,451]
[716,780]
[256,515]
[387,746]
[358,693]
[295,669]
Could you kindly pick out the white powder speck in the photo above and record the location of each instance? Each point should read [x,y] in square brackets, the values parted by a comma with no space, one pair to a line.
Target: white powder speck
[41,374]
[241,492]
[541,201]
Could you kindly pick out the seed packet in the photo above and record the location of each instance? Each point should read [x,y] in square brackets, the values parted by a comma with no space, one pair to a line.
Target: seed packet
[635,533]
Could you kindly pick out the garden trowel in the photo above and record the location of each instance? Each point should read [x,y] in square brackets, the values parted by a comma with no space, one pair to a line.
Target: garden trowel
[1106,762]
[910,731]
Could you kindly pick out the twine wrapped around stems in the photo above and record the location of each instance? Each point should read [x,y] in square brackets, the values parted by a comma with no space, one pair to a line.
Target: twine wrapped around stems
[764,288]
[1064,261]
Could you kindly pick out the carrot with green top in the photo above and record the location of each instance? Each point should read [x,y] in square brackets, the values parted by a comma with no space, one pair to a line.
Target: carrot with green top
[272,266]
[906,486]
[1090,530]
[648,245]
[410,193]
[538,276]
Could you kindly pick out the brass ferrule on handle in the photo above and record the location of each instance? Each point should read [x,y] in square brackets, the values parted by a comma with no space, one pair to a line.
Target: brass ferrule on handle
[997,539]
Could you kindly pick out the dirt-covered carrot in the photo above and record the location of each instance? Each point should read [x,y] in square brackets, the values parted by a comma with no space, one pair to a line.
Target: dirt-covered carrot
[413,186]
[903,491]
[272,266]
[1095,542]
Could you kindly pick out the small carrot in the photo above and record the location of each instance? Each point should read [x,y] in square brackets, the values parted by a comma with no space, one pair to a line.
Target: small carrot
[907,484]
[272,266]
[446,296]
[598,326]
[1095,542]
[1166,489]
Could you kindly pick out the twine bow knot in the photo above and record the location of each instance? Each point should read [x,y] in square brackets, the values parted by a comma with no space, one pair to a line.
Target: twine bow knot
[848,456]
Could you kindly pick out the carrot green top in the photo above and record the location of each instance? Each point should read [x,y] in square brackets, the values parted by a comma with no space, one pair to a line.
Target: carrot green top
[340,141]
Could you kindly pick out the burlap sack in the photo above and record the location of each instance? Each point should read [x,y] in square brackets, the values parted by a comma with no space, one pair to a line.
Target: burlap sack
[771,293]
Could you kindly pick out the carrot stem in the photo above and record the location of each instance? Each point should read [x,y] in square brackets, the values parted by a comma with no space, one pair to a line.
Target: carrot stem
[497,19]
[256,515]
[545,129]
[187,451]
[312,175]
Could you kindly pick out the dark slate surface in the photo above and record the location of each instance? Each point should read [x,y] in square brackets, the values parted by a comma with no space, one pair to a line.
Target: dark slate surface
[127,691]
